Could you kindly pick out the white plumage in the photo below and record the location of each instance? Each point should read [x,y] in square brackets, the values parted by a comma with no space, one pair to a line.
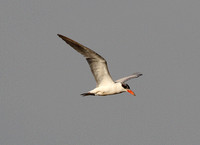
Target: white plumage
[98,65]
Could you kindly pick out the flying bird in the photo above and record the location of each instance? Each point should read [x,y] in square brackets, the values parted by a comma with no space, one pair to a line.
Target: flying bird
[98,65]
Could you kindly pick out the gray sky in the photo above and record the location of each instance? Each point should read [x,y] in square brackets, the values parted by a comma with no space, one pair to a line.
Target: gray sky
[41,77]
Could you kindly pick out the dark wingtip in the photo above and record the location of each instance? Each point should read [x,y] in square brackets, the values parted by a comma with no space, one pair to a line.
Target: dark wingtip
[138,74]
[64,38]
[59,35]
[88,94]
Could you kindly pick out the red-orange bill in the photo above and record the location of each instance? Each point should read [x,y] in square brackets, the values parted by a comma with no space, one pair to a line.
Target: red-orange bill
[131,92]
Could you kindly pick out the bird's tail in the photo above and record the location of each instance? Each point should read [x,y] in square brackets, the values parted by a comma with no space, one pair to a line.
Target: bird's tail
[88,94]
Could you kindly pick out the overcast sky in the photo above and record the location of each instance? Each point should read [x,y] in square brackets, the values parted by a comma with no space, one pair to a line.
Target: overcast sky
[41,77]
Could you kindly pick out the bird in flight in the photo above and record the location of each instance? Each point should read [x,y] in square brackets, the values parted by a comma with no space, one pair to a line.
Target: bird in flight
[98,65]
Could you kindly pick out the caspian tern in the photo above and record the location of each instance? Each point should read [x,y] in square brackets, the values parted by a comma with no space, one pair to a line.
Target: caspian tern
[98,65]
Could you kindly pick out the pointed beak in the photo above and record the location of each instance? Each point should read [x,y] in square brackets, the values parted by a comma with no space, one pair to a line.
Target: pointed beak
[131,92]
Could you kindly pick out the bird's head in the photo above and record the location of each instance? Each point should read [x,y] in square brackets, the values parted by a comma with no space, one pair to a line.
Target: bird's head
[127,88]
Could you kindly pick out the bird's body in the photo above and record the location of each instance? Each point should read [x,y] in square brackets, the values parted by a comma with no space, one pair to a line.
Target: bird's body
[111,89]
[98,65]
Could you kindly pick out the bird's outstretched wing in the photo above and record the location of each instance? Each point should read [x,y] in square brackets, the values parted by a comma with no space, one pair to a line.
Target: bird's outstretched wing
[97,63]
[134,75]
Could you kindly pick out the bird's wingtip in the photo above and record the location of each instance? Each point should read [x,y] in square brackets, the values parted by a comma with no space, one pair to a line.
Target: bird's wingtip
[88,94]
[138,74]
[59,35]
[62,37]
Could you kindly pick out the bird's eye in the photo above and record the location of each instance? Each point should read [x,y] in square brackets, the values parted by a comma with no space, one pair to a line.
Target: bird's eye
[125,86]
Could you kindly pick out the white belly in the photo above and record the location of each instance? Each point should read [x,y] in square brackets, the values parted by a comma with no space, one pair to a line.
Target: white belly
[108,90]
